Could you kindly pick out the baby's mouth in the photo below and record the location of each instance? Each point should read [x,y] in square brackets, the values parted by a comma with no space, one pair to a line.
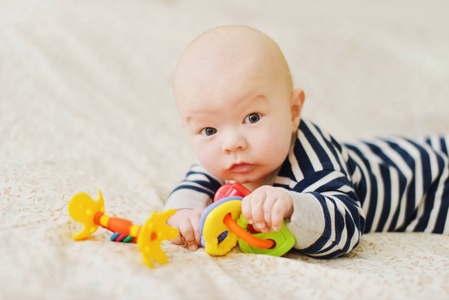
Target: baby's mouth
[241,167]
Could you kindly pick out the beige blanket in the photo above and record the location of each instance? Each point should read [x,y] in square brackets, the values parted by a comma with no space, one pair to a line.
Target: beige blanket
[86,105]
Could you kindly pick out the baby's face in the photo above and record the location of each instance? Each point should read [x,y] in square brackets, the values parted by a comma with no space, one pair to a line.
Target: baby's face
[240,128]
[237,106]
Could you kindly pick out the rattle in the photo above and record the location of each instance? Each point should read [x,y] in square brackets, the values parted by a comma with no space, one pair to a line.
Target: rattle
[222,225]
[83,209]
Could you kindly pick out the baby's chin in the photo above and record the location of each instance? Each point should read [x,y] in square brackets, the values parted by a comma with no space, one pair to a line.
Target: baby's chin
[249,182]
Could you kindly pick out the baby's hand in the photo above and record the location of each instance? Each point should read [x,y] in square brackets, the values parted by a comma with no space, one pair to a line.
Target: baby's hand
[187,222]
[266,207]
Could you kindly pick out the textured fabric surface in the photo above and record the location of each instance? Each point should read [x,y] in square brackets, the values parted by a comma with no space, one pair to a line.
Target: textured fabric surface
[86,104]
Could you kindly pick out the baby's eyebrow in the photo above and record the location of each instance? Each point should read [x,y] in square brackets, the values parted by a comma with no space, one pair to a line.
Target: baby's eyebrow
[199,121]
[257,99]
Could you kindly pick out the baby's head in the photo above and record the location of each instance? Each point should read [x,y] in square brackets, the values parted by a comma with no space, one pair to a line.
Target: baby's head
[235,96]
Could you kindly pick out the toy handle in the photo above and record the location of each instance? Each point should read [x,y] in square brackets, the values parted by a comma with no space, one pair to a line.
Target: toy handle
[245,235]
[117,225]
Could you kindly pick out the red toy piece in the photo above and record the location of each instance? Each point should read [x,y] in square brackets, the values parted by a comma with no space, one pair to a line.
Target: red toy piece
[231,189]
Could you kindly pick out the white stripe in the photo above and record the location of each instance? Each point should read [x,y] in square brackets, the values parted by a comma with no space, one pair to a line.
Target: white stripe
[394,197]
[435,142]
[323,181]
[295,167]
[357,176]
[285,181]
[343,189]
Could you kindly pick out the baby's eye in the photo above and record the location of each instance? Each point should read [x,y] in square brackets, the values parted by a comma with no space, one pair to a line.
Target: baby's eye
[208,131]
[252,118]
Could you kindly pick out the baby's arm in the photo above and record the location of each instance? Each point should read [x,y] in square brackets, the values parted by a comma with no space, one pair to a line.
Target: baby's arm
[190,197]
[327,218]
[324,215]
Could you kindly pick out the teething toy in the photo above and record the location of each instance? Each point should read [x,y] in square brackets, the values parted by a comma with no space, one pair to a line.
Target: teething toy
[222,225]
[212,225]
[83,209]
[152,233]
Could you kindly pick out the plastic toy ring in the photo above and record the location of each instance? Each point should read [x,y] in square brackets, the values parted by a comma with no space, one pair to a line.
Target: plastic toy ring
[213,226]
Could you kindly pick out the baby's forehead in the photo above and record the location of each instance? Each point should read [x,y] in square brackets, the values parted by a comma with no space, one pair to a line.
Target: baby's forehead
[228,58]
[228,50]
[232,45]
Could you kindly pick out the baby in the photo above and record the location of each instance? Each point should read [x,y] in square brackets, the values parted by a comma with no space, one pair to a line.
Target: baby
[236,100]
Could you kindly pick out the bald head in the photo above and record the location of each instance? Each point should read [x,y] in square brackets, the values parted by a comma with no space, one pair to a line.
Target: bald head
[224,55]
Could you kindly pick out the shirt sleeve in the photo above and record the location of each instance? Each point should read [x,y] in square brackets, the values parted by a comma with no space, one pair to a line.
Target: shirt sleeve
[195,191]
[327,220]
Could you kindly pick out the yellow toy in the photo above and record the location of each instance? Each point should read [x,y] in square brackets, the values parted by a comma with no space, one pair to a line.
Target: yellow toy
[211,233]
[83,209]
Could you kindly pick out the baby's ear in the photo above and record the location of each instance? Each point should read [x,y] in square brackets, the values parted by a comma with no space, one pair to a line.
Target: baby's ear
[298,98]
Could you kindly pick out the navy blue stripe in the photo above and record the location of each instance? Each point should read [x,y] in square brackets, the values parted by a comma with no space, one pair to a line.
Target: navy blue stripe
[444,146]
[430,200]
[203,183]
[317,147]
[386,207]
[194,188]
[428,206]
[215,184]
[361,186]
[371,211]
[339,223]
[410,161]
[410,212]
[444,210]
[303,159]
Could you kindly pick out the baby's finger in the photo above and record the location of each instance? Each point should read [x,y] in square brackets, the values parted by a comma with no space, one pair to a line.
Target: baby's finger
[189,236]
[178,240]
[196,232]
[246,209]
[257,212]
[268,205]
[277,216]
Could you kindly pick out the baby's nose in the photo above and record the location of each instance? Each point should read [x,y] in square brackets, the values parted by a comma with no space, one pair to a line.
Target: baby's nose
[234,142]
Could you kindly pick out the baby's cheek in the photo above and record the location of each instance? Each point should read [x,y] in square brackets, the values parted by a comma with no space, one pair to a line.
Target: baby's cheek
[273,147]
[210,160]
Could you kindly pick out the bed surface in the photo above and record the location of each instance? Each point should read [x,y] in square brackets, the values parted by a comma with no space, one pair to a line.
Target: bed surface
[86,105]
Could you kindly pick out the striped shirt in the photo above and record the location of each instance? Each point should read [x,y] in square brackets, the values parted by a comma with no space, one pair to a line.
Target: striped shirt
[340,191]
